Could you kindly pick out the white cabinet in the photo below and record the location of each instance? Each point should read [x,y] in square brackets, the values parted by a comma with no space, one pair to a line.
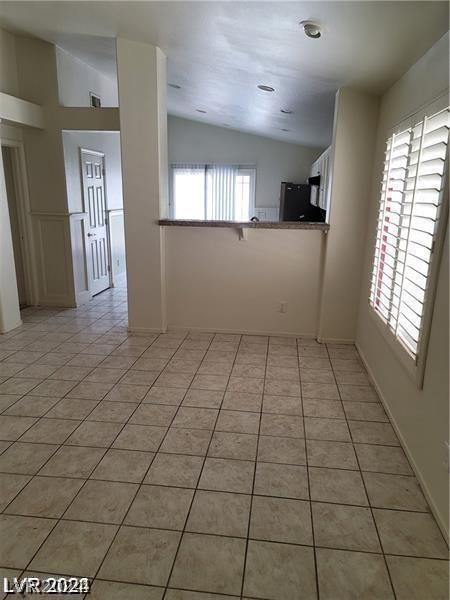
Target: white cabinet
[319,195]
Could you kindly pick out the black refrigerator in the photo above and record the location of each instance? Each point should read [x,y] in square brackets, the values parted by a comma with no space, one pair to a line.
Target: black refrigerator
[295,204]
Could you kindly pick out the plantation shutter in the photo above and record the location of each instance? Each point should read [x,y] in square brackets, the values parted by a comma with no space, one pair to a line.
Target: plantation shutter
[411,198]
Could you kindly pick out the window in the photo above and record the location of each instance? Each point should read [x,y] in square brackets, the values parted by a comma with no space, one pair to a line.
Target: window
[213,192]
[411,208]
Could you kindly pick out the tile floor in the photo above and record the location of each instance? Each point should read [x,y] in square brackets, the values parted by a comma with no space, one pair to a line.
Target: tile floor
[201,466]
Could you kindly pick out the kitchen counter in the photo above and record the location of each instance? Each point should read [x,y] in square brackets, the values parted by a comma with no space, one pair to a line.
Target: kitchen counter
[246,224]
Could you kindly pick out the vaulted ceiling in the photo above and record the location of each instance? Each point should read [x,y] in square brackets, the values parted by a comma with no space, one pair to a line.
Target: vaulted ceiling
[219,52]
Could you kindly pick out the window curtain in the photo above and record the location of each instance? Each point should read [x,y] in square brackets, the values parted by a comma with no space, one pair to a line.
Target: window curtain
[220,192]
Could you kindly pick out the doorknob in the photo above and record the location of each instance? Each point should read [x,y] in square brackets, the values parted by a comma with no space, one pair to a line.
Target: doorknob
[91,234]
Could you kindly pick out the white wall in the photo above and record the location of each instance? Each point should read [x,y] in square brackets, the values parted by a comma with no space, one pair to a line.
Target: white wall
[76,79]
[56,230]
[9,299]
[421,415]
[215,281]
[8,64]
[351,167]
[190,141]
[141,70]
[107,142]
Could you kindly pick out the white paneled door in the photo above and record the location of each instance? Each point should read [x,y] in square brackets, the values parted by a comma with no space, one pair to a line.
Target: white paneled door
[97,250]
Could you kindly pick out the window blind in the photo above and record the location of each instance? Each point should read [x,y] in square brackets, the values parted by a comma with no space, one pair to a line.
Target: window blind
[212,192]
[410,206]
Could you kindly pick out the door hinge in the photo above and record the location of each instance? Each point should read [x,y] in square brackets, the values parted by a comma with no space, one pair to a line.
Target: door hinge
[109,269]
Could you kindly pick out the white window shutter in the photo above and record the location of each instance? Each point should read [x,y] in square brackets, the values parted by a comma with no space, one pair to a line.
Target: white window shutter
[411,199]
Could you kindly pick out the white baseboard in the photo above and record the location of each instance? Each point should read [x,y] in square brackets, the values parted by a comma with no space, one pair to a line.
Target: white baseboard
[145,330]
[335,340]
[61,302]
[434,509]
[240,331]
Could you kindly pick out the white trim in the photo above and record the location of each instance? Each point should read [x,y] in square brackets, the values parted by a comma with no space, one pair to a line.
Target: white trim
[433,277]
[434,509]
[28,245]
[243,332]
[94,152]
[65,298]
[415,366]
[252,173]
[145,330]
[44,213]
[170,329]
[335,340]
[83,296]
[21,112]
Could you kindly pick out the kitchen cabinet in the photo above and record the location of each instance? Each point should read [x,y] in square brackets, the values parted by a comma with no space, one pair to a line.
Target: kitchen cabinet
[321,166]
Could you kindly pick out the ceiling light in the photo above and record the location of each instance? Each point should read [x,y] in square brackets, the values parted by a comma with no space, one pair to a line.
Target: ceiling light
[201,111]
[266,88]
[286,111]
[175,86]
[311,29]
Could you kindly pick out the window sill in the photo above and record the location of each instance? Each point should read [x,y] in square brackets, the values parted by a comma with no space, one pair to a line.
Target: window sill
[246,224]
[414,370]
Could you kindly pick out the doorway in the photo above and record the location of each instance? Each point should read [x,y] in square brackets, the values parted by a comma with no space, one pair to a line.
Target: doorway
[12,166]
[97,235]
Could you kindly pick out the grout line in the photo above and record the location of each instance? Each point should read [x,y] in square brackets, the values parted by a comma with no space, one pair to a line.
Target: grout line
[139,487]
[244,566]
[60,518]
[266,435]
[107,321]
[316,571]
[371,510]
[198,479]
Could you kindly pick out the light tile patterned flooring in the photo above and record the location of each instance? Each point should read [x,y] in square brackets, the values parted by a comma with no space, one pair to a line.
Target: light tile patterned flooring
[231,466]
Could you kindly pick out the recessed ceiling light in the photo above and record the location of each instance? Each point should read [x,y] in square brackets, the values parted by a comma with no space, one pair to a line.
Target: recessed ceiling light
[175,86]
[286,111]
[285,130]
[201,111]
[266,88]
[311,29]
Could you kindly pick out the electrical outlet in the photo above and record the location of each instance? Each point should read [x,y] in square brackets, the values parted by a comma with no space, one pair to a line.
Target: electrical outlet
[283,306]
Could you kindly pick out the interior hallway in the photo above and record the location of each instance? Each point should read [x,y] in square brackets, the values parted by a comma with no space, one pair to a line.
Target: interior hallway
[244,466]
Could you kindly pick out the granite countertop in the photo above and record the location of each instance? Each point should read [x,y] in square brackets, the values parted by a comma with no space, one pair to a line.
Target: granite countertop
[246,224]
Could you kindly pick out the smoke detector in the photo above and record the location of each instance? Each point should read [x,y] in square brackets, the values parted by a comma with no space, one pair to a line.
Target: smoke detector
[311,29]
